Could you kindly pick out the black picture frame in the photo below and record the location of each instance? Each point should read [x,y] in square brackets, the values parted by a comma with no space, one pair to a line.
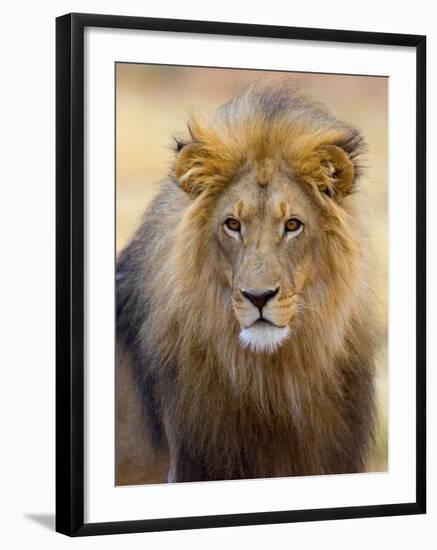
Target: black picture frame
[70,273]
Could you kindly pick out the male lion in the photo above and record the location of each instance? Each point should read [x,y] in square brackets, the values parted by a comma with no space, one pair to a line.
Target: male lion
[245,324]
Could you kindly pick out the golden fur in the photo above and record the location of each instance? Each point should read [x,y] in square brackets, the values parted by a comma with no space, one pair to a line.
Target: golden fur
[224,410]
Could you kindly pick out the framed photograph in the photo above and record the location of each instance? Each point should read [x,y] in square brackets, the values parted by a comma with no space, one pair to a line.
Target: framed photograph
[240,274]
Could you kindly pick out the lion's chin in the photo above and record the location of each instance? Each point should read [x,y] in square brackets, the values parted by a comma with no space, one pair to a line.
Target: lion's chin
[264,337]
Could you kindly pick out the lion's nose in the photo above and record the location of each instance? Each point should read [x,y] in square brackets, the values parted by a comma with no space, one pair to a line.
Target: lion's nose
[259,298]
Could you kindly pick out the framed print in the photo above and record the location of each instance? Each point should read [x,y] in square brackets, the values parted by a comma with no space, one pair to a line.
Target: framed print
[240,274]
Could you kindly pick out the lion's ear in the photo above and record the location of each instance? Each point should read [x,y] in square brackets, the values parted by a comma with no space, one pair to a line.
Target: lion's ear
[205,162]
[330,167]
[191,156]
[189,162]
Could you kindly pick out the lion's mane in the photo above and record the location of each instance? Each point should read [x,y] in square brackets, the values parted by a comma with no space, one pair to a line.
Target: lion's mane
[224,411]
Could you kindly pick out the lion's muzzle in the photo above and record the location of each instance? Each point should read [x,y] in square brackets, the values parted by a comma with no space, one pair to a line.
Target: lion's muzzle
[264,315]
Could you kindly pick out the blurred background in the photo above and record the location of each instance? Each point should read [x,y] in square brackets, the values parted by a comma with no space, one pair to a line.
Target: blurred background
[152,105]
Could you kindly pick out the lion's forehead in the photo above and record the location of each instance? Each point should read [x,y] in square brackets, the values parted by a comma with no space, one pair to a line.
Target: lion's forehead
[246,199]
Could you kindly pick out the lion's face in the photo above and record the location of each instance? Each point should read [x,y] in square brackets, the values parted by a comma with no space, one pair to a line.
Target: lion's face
[265,233]
[269,176]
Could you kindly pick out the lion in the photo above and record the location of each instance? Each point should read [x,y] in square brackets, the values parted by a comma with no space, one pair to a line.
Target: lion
[246,326]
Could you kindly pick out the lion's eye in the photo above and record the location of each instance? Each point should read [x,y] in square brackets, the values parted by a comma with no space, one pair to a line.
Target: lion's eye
[293,225]
[233,224]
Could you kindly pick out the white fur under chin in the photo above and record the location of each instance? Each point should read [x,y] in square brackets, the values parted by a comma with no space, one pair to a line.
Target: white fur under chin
[264,337]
